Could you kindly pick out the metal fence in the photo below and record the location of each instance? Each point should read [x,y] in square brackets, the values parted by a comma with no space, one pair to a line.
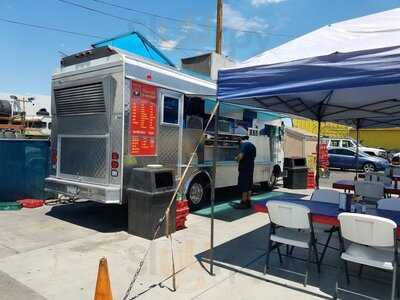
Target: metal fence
[24,164]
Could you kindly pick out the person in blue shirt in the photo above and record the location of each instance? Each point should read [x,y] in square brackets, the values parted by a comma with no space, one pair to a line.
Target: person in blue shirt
[246,159]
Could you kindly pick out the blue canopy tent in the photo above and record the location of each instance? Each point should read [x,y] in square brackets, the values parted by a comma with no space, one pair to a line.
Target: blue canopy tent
[360,88]
[348,73]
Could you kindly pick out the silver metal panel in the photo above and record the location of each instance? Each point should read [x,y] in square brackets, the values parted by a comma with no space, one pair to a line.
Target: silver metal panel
[78,100]
[96,124]
[189,142]
[83,158]
[105,121]
[227,173]
[116,97]
[168,141]
[104,194]
[166,79]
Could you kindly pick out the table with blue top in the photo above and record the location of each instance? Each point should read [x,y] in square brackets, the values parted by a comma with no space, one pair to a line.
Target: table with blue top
[348,185]
[327,213]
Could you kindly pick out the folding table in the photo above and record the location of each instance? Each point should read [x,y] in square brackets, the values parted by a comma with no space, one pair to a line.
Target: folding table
[327,213]
[348,185]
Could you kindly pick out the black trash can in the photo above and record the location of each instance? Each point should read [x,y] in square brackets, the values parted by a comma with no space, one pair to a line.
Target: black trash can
[149,192]
[295,173]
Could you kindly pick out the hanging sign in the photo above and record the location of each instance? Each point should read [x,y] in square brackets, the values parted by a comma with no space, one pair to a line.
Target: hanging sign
[143,119]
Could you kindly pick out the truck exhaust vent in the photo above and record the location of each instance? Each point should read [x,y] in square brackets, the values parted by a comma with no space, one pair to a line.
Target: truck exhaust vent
[79,100]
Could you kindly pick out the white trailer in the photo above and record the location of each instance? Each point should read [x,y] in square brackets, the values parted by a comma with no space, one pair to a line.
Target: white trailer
[113,111]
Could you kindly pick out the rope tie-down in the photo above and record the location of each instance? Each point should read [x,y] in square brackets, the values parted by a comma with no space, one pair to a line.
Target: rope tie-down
[165,218]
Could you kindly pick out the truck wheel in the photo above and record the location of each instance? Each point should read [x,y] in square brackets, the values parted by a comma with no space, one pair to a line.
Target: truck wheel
[269,184]
[369,167]
[198,194]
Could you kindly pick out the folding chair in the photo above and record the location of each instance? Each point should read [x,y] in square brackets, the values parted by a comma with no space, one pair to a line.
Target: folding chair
[396,170]
[370,191]
[389,204]
[372,242]
[327,196]
[291,225]
[378,177]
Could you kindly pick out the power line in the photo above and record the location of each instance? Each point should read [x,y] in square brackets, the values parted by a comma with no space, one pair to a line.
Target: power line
[113,16]
[187,22]
[151,14]
[128,20]
[48,28]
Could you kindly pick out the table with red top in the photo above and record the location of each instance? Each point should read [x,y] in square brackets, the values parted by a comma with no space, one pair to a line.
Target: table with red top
[348,185]
[394,177]
[327,213]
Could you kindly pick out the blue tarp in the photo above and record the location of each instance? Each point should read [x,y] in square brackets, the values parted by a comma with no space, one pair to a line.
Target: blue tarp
[337,87]
[24,166]
[136,43]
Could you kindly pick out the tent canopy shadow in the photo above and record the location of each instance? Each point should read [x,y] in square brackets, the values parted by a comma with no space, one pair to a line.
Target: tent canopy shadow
[245,255]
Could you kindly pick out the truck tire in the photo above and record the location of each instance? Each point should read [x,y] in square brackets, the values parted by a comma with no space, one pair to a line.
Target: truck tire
[198,193]
[271,183]
[369,167]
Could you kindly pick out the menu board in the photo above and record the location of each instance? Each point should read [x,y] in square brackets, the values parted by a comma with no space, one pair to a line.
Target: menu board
[143,119]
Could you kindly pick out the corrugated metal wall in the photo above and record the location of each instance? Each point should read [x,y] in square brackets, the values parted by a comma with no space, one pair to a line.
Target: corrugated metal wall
[327,128]
[24,164]
[387,138]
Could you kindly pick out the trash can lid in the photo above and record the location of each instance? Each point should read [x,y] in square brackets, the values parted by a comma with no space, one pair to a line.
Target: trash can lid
[154,166]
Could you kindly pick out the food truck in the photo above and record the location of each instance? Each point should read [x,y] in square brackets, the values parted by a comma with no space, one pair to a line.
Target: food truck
[114,111]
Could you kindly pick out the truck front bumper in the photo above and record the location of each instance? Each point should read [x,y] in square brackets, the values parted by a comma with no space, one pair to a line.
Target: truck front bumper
[110,194]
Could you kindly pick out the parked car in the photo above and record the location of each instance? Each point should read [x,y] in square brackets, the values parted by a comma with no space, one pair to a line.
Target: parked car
[352,144]
[346,159]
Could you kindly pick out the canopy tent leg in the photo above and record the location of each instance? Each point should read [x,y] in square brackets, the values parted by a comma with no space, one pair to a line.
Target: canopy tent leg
[357,147]
[213,175]
[318,150]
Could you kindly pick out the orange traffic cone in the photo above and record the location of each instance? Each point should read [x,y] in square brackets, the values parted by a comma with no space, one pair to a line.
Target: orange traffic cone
[103,285]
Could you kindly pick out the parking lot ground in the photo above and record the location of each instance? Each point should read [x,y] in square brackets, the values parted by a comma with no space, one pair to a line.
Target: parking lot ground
[53,252]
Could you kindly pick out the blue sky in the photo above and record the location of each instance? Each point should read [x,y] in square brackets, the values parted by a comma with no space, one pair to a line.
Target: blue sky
[29,56]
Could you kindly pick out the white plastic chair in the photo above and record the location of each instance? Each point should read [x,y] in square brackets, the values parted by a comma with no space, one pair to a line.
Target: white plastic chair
[396,170]
[389,204]
[326,195]
[373,243]
[378,177]
[290,225]
[370,191]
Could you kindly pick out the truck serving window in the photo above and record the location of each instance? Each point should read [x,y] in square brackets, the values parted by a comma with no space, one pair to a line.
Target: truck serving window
[170,110]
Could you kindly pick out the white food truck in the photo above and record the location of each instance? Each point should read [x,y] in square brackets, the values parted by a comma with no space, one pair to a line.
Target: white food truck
[113,111]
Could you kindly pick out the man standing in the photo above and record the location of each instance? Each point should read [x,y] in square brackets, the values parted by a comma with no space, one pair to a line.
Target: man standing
[246,159]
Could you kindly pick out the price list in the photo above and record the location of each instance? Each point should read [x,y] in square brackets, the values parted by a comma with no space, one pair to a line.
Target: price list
[143,119]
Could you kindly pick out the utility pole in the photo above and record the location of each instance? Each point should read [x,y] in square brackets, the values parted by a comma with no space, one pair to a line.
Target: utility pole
[218,39]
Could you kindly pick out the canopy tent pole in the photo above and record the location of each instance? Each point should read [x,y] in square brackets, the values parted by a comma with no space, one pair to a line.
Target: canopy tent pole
[213,176]
[357,147]
[318,150]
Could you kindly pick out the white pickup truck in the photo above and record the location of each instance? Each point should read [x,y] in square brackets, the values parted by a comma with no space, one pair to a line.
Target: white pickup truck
[351,143]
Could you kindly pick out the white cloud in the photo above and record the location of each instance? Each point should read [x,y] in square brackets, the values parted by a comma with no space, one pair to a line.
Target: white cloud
[162,30]
[257,3]
[234,19]
[169,45]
